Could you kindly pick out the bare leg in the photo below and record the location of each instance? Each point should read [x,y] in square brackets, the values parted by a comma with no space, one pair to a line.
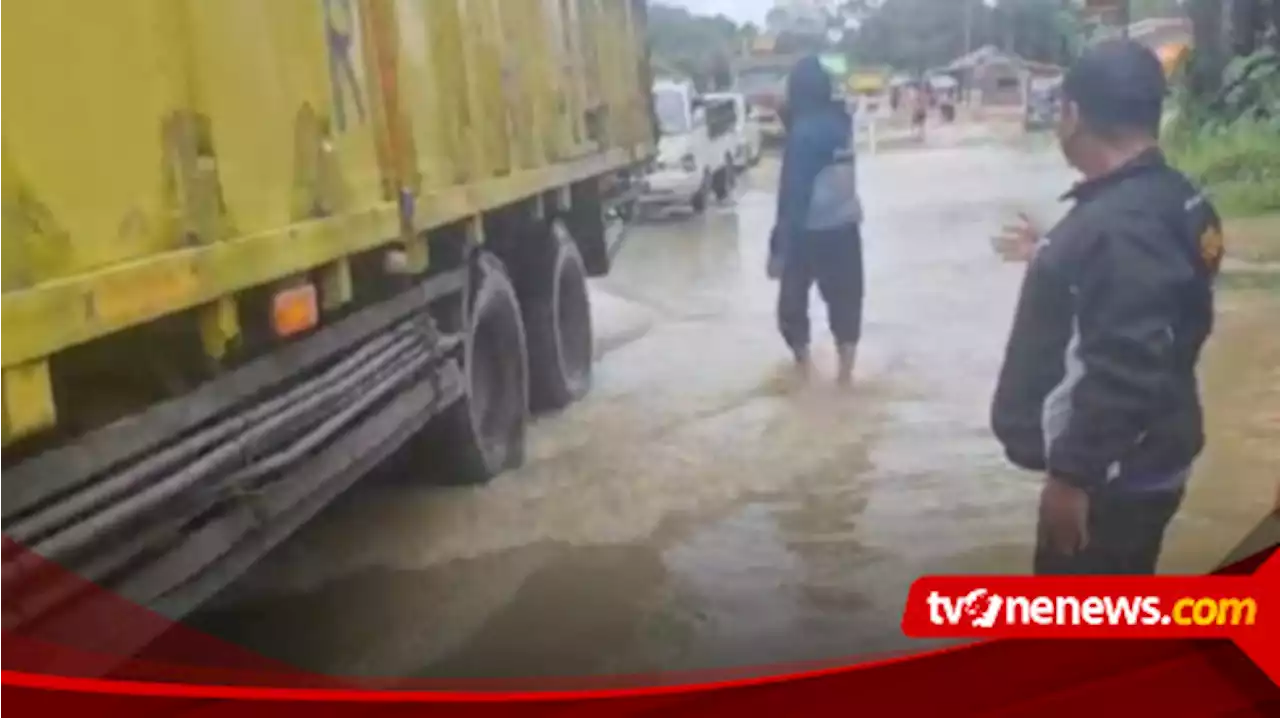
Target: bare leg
[840,279]
[847,354]
[793,306]
[804,362]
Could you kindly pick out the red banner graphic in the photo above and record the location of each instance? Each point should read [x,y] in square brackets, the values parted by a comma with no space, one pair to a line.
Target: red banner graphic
[64,667]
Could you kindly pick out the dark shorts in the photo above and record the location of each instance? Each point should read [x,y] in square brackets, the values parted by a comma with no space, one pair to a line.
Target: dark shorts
[1126,532]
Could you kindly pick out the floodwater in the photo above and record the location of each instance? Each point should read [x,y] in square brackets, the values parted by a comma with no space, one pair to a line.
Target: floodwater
[704,510]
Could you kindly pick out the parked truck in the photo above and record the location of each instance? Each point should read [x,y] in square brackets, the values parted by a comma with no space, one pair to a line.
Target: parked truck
[762,77]
[254,249]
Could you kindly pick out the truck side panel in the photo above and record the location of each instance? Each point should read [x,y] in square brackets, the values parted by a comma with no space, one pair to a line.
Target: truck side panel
[433,81]
[286,88]
[192,151]
[86,162]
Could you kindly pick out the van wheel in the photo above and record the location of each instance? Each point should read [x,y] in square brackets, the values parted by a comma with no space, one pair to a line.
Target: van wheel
[557,320]
[722,183]
[699,202]
[484,434]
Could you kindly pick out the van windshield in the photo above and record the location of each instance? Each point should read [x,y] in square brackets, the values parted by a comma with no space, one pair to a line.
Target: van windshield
[672,111]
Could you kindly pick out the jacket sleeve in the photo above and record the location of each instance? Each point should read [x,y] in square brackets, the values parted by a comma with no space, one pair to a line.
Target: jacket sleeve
[1126,296]
[795,187]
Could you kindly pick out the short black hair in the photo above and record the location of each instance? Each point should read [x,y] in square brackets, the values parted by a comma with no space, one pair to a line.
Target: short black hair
[1119,86]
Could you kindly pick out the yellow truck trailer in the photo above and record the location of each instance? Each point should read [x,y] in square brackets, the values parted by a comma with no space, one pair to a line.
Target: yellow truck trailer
[254,248]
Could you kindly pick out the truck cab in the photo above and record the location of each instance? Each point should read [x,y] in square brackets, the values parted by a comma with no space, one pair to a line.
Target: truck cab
[695,148]
[763,79]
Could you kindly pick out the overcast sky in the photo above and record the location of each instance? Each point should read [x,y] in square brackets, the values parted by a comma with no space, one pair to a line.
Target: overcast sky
[740,10]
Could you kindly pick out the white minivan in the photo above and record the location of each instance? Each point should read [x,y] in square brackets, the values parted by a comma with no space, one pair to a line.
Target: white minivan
[695,149]
[746,145]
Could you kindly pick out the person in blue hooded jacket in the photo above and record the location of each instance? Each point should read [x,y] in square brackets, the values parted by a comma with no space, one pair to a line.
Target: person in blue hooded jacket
[817,237]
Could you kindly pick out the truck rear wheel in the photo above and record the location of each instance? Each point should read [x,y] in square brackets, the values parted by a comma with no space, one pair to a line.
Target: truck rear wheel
[484,434]
[557,320]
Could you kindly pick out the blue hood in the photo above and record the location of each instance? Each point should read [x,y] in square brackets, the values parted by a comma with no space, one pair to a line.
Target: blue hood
[809,88]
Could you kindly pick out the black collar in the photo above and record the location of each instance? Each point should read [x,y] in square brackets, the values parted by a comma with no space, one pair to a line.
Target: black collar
[1148,160]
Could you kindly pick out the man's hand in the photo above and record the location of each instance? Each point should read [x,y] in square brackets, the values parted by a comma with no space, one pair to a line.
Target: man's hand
[1017,241]
[1064,516]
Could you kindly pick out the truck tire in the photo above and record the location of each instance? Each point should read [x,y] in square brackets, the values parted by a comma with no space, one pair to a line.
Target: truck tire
[484,434]
[557,320]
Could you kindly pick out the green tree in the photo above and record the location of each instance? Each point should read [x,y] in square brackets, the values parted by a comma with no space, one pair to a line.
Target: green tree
[1147,9]
[697,46]
[1209,59]
[918,34]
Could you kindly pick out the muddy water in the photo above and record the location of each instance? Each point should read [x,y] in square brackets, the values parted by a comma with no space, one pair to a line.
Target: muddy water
[704,510]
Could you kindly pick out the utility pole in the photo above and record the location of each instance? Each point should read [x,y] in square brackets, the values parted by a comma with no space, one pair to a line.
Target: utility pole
[1125,13]
[986,5]
[968,26]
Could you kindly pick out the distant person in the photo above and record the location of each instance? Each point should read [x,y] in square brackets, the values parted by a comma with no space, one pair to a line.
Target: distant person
[948,106]
[1098,389]
[817,237]
[920,111]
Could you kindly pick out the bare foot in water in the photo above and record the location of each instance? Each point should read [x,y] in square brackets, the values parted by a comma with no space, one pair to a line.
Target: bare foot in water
[803,364]
[844,365]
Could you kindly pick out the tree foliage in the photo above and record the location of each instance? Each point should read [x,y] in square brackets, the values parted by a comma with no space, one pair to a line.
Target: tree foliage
[697,47]
[1225,126]
[1223,33]
[919,34]
[906,34]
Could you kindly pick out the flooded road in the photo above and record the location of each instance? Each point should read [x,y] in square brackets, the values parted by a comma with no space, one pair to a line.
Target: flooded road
[701,509]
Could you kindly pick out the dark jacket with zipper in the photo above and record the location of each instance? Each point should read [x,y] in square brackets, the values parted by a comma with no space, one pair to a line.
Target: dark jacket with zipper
[1098,386]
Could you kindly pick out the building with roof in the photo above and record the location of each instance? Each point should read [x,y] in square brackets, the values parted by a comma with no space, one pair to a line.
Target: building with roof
[992,77]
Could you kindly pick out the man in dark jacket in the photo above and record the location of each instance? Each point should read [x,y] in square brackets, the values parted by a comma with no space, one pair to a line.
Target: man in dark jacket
[1098,388]
[816,238]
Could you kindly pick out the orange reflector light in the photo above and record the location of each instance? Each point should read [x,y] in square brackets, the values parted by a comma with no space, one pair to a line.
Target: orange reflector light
[294,310]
